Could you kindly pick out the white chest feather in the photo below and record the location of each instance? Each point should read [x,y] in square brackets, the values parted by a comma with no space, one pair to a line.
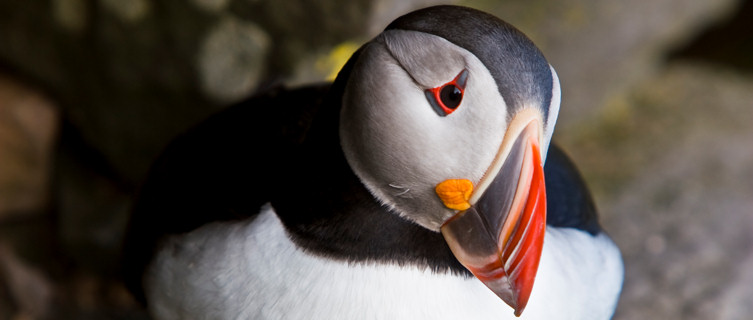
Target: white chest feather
[251,270]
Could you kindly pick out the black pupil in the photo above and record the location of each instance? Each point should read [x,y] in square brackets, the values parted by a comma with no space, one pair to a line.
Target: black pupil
[451,96]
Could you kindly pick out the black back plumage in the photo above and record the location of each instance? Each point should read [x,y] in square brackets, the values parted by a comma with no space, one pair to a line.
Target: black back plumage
[569,203]
[223,169]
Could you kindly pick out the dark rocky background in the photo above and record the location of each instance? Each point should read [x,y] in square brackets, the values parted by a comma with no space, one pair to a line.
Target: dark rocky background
[657,110]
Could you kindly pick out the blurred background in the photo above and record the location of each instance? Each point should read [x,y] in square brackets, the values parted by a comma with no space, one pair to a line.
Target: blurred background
[657,111]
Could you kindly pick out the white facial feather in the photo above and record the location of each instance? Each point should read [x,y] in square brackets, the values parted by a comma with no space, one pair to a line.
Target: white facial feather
[251,270]
[391,135]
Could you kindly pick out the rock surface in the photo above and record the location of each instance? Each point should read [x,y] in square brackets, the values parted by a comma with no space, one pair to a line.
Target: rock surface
[28,127]
[673,181]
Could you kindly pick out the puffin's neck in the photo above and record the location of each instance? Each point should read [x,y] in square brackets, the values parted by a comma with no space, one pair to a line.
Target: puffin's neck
[328,210]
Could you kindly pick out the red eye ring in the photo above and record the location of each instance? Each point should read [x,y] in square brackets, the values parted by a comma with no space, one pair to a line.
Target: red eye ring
[446,98]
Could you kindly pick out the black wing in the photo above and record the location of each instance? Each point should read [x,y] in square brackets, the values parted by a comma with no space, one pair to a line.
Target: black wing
[569,203]
[223,169]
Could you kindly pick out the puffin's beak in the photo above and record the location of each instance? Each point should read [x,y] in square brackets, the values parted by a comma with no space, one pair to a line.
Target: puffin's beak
[498,234]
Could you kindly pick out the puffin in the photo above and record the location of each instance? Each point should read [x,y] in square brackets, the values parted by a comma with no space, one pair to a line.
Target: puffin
[421,184]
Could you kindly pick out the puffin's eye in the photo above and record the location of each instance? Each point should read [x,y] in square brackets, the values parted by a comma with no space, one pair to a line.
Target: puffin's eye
[450,96]
[446,98]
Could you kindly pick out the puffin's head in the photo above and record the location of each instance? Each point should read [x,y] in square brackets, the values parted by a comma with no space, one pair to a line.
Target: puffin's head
[446,118]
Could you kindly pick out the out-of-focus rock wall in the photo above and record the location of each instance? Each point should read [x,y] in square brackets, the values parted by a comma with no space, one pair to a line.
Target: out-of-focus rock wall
[130,74]
[28,129]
